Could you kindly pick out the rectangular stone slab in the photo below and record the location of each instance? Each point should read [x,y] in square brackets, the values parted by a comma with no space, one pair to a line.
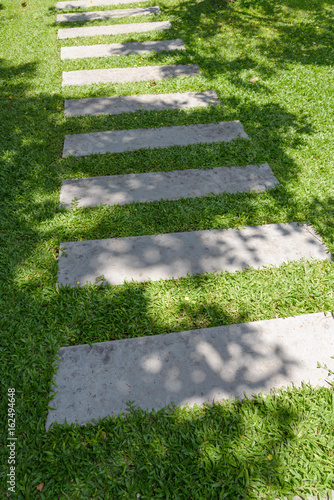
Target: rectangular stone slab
[119,141]
[167,256]
[86,4]
[112,29]
[192,367]
[106,14]
[121,75]
[327,496]
[131,103]
[119,49]
[153,186]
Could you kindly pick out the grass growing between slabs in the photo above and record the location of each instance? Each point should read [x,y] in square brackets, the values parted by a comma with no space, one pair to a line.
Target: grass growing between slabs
[262,448]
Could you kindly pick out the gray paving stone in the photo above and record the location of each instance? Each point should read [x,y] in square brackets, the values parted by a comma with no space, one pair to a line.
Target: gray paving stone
[197,366]
[121,75]
[106,14]
[119,141]
[174,255]
[125,104]
[112,29]
[328,496]
[77,4]
[123,189]
[119,49]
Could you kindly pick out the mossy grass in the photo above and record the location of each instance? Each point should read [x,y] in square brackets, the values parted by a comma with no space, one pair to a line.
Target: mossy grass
[266,447]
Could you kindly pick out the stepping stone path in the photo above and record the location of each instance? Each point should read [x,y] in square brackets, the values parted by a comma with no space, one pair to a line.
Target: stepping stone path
[124,104]
[187,367]
[191,367]
[106,14]
[167,256]
[122,75]
[112,29]
[119,49]
[118,141]
[154,186]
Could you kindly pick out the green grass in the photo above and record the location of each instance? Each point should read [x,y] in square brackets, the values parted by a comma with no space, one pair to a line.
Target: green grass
[260,448]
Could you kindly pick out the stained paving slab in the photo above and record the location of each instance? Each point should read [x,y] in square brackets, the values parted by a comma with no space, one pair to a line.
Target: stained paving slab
[149,102]
[112,29]
[175,255]
[192,367]
[120,49]
[86,4]
[121,75]
[119,141]
[153,186]
[106,14]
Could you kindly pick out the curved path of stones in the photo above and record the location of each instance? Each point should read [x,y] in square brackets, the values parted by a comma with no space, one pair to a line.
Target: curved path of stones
[187,367]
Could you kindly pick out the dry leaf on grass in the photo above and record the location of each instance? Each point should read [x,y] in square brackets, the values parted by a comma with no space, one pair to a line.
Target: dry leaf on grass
[40,486]
[253,80]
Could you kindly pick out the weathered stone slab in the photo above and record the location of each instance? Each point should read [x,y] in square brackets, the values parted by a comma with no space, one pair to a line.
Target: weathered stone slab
[328,496]
[112,29]
[193,367]
[119,49]
[121,75]
[106,14]
[119,141]
[153,186]
[167,256]
[149,102]
[86,4]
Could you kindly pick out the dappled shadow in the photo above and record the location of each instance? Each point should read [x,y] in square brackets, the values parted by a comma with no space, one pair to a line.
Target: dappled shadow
[199,366]
[176,255]
[8,73]
[173,185]
[271,7]
[130,140]
[101,15]
[29,149]
[303,42]
[118,49]
[121,75]
[110,29]
[37,319]
[229,449]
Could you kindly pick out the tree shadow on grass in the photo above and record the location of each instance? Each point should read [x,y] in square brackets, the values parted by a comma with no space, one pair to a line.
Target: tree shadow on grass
[242,450]
[37,319]
[306,43]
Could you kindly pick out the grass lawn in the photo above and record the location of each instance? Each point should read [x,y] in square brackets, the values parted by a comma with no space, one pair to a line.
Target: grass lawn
[262,448]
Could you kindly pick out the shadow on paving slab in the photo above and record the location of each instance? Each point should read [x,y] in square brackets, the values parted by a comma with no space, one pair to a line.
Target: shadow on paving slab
[37,320]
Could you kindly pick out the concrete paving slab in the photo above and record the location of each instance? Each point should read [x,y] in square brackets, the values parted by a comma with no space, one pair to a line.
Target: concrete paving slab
[86,4]
[193,367]
[148,102]
[328,496]
[121,75]
[123,189]
[120,49]
[167,256]
[106,14]
[112,29]
[119,141]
